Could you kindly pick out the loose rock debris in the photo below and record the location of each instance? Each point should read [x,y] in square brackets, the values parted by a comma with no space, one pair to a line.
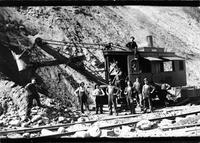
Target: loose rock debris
[144,126]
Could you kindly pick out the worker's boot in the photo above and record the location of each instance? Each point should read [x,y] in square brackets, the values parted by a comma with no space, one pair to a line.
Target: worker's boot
[97,109]
[101,110]
[116,113]
[151,110]
[145,110]
[110,112]
[133,111]
[26,118]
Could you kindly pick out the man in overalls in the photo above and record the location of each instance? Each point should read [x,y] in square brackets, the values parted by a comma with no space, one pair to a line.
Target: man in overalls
[146,92]
[112,92]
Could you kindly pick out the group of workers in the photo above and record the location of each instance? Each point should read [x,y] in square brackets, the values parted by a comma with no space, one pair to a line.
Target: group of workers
[113,92]
[136,94]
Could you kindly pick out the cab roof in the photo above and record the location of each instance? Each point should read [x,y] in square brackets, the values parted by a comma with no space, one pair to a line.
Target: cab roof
[152,54]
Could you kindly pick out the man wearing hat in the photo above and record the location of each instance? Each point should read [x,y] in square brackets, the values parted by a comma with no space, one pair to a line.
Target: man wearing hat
[132,45]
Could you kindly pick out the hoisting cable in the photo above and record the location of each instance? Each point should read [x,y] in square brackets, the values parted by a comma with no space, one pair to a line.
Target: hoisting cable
[63,43]
[73,42]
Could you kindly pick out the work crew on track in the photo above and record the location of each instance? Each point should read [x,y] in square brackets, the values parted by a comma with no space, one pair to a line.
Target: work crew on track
[135,95]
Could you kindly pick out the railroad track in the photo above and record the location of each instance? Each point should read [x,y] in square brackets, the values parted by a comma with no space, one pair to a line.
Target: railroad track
[58,135]
[55,127]
[180,127]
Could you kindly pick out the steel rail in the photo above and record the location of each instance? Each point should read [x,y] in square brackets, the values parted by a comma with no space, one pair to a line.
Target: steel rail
[179,127]
[104,127]
[37,129]
[194,129]
[115,125]
[173,116]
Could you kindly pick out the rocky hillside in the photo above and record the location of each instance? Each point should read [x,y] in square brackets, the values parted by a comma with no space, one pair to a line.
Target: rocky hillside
[174,28]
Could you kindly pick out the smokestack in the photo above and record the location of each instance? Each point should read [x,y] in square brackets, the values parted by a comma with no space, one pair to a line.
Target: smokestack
[150,41]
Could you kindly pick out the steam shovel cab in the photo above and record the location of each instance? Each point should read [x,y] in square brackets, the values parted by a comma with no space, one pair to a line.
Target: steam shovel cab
[151,62]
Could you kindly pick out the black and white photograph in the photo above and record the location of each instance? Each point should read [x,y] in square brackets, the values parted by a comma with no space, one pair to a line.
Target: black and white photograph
[99,71]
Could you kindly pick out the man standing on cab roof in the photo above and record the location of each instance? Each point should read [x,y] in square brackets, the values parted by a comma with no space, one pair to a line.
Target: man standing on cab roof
[132,45]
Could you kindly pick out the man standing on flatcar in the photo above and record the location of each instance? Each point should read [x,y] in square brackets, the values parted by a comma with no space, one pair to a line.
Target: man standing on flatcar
[132,45]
